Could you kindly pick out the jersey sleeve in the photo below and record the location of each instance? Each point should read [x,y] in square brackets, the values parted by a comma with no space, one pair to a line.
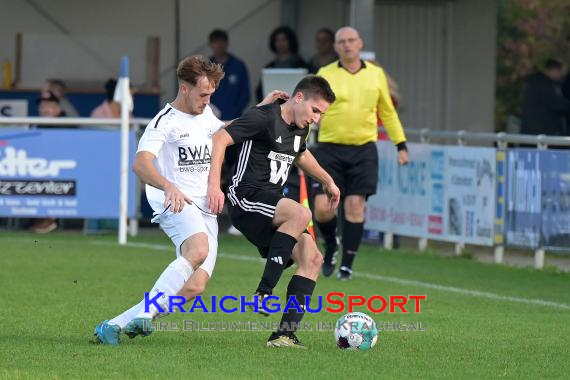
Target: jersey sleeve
[215,122]
[153,139]
[388,113]
[254,121]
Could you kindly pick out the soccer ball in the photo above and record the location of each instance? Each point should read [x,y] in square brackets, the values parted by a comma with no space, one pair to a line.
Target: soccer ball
[355,331]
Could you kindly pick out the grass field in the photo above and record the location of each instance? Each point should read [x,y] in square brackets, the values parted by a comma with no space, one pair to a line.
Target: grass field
[483,321]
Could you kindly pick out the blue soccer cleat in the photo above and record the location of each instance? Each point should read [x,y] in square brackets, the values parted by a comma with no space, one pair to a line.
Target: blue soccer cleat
[107,334]
[139,326]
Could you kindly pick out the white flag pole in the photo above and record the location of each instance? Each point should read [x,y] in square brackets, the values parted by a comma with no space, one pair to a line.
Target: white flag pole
[124,93]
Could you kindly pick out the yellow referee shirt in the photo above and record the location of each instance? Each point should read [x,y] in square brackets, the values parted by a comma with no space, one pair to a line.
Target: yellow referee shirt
[360,98]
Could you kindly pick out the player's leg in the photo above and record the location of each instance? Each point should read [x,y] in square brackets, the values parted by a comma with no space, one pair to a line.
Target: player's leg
[195,285]
[352,229]
[198,282]
[193,252]
[309,260]
[290,219]
[330,157]
[327,223]
[188,232]
[361,180]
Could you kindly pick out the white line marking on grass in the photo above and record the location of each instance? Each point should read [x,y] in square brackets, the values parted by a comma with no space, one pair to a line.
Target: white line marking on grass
[395,280]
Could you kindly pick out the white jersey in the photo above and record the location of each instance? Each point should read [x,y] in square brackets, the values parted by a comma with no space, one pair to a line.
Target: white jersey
[182,144]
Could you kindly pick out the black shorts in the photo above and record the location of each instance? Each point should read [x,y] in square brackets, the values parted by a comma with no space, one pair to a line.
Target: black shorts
[252,212]
[354,168]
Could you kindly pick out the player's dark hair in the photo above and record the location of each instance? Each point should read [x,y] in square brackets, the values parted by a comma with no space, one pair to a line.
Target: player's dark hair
[291,39]
[313,86]
[218,34]
[190,69]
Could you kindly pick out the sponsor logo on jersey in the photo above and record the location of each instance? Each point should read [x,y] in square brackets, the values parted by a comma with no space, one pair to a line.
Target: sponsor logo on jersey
[195,155]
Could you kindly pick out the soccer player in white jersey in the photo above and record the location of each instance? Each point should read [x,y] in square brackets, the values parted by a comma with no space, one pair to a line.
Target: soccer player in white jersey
[173,160]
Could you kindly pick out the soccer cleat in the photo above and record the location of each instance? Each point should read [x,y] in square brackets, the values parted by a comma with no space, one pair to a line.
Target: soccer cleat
[328,269]
[260,299]
[284,340]
[107,334]
[139,326]
[344,273]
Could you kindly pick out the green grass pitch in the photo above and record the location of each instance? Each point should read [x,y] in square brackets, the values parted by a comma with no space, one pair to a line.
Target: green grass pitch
[483,321]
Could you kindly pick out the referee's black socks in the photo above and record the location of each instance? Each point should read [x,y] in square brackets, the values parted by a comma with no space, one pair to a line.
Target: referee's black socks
[328,231]
[280,252]
[302,288]
[351,238]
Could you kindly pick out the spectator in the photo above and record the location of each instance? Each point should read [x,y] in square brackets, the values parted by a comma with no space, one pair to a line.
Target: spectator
[544,108]
[284,44]
[324,42]
[48,106]
[347,145]
[566,93]
[109,108]
[232,95]
[58,88]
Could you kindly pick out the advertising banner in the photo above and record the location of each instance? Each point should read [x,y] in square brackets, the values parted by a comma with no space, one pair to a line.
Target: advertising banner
[444,193]
[523,214]
[62,173]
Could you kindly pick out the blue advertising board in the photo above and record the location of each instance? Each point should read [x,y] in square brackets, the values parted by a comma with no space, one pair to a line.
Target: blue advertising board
[523,213]
[62,173]
[555,171]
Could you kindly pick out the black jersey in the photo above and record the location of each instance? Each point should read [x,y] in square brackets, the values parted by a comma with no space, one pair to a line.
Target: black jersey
[269,146]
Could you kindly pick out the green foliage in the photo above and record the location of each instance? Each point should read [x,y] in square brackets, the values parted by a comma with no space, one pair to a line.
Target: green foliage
[529,33]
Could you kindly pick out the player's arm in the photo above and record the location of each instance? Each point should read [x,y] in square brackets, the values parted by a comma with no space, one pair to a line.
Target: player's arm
[389,117]
[220,141]
[144,168]
[270,98]
[308,164]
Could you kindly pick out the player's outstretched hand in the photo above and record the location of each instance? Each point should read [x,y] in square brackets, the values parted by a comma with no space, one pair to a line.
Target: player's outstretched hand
[403,157]
[215,199]
[333,195]
[273,96]
[175,198]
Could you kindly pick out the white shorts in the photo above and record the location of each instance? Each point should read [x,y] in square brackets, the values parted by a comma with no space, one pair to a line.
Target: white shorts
[190,221]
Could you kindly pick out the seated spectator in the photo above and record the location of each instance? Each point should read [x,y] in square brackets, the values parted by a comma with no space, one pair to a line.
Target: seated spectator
[324,42]
[284,44]
[58,88]
[109,108]
[49,106]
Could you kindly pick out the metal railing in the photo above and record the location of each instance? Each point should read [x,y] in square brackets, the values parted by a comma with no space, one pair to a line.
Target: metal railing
[500,139]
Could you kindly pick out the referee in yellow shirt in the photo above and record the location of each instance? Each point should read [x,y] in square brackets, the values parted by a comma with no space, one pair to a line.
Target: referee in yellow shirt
[347,145]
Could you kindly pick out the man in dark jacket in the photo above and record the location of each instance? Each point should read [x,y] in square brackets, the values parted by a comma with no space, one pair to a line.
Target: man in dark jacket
[544,107]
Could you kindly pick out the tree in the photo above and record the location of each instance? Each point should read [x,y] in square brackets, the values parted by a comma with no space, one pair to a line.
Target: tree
[529,33]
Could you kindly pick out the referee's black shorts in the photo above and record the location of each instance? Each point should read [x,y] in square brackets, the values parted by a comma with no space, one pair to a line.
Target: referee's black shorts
[252,212]
[354,168]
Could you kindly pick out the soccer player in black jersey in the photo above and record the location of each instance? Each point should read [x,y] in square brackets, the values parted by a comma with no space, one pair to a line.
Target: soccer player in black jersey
[272,139]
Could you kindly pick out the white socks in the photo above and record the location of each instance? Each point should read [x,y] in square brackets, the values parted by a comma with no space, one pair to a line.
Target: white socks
[123,319]
[170,282]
